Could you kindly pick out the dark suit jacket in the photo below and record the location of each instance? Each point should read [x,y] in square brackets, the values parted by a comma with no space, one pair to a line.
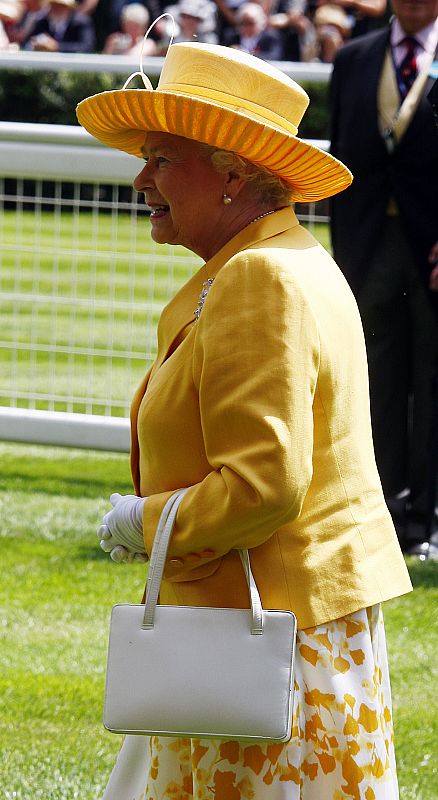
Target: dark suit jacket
[78,36]
[409,174]
[270,45]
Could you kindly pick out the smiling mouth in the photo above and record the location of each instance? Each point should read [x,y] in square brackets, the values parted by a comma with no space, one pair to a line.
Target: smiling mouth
[158,211]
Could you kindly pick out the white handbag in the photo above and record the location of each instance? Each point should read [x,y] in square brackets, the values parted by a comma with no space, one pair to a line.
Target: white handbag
[199,672]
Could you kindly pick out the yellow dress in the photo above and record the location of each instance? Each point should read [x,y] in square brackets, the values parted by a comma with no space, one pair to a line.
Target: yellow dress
[342,736]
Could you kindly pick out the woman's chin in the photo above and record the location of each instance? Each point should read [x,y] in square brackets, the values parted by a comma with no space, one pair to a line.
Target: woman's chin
[160,234]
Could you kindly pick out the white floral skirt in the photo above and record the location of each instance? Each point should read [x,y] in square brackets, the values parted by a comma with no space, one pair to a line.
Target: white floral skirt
[342,736]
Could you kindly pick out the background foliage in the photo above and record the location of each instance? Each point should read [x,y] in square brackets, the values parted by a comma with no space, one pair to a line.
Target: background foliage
[51,97]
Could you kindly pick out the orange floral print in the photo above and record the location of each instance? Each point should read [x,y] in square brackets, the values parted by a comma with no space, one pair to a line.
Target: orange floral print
[309,653]
[341,746]
[230,751]
[254,758]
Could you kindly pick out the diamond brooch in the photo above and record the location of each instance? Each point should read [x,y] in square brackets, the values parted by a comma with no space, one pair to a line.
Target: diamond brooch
[202,297]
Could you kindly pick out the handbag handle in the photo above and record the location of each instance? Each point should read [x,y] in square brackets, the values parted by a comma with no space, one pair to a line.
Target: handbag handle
[158,560]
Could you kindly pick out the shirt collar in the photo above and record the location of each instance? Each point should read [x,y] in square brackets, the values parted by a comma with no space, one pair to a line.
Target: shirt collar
[427,38]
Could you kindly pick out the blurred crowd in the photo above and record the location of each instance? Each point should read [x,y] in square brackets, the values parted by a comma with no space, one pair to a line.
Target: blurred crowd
[278,30]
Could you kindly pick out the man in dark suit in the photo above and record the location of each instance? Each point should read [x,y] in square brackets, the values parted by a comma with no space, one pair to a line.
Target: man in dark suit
[60,28]
[385,239]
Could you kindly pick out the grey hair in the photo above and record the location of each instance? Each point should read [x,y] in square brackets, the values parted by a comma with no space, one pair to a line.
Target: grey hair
[135,12]
[270,188]
[254,12]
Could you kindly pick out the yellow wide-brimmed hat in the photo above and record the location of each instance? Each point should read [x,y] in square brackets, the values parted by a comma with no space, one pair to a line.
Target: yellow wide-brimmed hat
[225,98]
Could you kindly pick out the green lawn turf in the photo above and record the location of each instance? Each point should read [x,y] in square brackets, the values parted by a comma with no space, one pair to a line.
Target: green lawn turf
[56,591]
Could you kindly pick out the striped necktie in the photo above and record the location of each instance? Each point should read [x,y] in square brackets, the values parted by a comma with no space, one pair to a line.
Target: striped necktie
[407,70]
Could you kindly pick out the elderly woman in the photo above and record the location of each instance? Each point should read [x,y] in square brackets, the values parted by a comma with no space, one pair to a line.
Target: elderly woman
[258,401]
[129,40]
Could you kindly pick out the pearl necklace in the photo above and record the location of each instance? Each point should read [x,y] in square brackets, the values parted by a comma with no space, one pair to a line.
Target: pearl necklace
[206,286]
[266,214]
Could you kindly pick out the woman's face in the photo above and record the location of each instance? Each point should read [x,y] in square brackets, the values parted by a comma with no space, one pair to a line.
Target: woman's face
[183,191]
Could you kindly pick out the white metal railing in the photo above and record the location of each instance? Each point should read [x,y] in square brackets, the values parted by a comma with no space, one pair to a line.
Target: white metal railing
[81,287]
[66,152]
[96,62]
[61,152]
[64,430]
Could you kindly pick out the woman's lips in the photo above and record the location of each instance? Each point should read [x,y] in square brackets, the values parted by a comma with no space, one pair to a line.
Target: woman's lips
[158,211]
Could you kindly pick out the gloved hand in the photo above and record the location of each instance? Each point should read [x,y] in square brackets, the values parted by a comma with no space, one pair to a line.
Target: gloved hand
[121,533]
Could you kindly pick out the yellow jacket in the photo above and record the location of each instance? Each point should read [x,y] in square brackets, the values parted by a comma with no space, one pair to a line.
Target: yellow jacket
[262,407]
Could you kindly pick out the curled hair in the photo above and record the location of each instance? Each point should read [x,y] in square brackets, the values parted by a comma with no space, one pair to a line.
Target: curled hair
[270,188]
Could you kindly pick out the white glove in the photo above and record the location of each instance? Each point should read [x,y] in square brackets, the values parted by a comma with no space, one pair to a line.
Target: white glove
[121,533]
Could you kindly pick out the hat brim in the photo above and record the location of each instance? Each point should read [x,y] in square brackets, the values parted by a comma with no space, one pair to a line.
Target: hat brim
[122,117]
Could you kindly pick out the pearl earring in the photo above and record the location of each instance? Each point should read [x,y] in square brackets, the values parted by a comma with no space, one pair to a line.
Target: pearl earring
[226,199]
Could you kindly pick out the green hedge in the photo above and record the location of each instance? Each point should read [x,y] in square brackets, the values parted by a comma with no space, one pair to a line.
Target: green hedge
[315,124]
[51,97]
[48,97]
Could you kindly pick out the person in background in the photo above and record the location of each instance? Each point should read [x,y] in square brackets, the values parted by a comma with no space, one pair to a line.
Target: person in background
[257,403]
[5,44]
[31,10]
[253,34]
[364,15]
[433,258]
[60,28]
[196,21]
[291,18]
[227,18]
[134,22]
[385,234]
[332,30]
[433,100]
[105,16]
[10,13]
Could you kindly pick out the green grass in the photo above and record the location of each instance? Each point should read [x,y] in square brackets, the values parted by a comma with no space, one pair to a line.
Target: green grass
[56,592]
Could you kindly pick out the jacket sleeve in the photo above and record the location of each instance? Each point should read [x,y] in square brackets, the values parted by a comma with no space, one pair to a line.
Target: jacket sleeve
[255,367]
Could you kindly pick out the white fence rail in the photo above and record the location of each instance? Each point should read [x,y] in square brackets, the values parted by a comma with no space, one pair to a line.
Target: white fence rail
[66,153]
[81,287]
[95,62]
[61,153]
[88,431]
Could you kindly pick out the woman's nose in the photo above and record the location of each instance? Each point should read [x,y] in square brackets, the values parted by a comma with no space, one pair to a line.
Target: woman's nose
[142,180]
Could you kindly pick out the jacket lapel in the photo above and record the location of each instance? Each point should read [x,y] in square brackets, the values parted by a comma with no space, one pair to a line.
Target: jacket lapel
[374,57]
[178,316]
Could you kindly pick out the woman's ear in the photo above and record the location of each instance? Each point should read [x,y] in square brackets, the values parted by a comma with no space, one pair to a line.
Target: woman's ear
[234,184]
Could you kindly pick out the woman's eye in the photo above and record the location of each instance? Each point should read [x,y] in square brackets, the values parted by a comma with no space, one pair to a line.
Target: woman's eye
[157,159]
